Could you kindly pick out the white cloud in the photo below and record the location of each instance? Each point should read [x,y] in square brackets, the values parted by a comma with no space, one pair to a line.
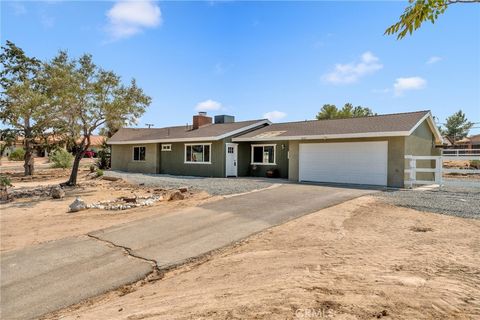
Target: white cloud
[274,115]
[208,105]
[18,8]
[127,18]
[352,72]
[434,59]
[412,83]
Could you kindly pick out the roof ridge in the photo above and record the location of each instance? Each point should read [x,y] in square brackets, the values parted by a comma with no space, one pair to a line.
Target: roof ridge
[207,125]
[350,118]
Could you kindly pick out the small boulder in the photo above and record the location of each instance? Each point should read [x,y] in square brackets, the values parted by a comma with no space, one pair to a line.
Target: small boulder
[109,178]
[57,192]
[77,205]
[183,190]
[175,195]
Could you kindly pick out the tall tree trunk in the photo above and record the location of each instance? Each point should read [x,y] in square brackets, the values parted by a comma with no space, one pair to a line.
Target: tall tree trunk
[80,152]
[72,181]
[28,158]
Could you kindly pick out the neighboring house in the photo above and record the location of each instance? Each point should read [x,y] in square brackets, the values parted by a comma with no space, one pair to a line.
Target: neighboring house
[17,144]
[96,142]
[447,142]
[42,145]
[472,142]
[39,145]
[366,150]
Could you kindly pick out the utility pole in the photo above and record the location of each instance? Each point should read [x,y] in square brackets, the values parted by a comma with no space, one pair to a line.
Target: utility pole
[149,125]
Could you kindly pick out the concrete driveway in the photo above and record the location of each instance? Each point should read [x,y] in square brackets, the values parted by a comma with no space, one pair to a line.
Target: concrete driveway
[50,276]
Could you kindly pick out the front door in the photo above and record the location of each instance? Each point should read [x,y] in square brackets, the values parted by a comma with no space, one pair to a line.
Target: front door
[231,160]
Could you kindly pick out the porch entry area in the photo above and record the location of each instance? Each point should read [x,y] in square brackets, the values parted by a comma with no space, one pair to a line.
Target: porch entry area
[231,160]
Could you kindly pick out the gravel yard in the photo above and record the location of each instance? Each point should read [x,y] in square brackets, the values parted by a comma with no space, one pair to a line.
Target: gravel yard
[460,202]
[214,186]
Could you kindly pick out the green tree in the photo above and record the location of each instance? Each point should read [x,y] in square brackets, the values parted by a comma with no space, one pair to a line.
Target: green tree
[330,111]
[418,12]
[457,126]
[111,127]
[22,99]
[89,97]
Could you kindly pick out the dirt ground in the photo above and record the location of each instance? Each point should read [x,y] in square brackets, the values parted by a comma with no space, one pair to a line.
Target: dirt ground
[30,221]
[362,259]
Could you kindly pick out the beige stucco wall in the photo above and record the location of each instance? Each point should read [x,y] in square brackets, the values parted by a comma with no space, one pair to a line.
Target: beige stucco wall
[421,142]
[122,158]
[396,149]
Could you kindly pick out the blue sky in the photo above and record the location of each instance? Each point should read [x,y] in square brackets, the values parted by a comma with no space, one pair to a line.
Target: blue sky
[254,59]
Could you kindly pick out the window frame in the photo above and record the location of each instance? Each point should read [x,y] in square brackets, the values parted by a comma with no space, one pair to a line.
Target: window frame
[167,145]
[274,163]
[133,153]
[209,144]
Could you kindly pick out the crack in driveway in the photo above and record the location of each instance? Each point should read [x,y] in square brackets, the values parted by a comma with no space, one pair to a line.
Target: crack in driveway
[129,252]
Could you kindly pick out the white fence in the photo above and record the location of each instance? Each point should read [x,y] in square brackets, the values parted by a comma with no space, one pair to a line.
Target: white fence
[413,169]
[461,153]
[438,169]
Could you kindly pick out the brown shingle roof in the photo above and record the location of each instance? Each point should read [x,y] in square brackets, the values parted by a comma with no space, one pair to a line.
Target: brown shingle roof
[180,133]
[475,139]
[367,126]
[95,140]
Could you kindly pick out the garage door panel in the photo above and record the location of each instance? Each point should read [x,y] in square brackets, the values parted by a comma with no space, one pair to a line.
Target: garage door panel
[346,162]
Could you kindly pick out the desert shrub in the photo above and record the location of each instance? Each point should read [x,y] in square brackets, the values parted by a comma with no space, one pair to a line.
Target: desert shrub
[99,172]
[17,155]
[92,168]
[5,181]
[61,158]
[475,164]
[104,158]
[4,184]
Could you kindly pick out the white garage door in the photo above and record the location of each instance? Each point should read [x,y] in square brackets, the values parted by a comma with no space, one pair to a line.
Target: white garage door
[345,162]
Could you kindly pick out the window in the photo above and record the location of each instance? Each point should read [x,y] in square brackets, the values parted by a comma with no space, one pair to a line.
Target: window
[197,153]
[230,150]
[139,153]
[263,154]
[166,147]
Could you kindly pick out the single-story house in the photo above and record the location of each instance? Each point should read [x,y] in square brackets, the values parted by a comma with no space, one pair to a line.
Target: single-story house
[472,142]
[367,150]
[96,142]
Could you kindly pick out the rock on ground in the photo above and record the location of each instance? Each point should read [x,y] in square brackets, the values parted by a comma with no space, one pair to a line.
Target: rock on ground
[175,195]
[57,192]
[77,205]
